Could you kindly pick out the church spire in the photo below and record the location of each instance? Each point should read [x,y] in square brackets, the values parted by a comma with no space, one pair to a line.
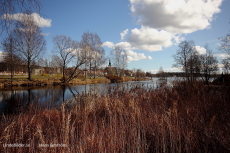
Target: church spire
[109,63]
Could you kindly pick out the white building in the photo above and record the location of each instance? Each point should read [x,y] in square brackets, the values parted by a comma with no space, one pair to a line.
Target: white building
[2,55]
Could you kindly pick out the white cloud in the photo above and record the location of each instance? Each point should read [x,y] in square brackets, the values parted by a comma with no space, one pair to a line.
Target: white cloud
[149,39]
[124,33]
[220,65]
[125,45]
[174,69]
[133,56]
[163,22]
[149,57]
[223,56]
[154,71]
[178,39]
[200,50]
[177,16]
[168,70]
[38,20]
[108,44]
[45,34]
[73,51]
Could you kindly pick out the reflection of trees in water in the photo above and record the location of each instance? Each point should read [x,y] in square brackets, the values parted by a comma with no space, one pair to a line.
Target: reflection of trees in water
[19,100]
[50,97]
[15,102]
[12,105]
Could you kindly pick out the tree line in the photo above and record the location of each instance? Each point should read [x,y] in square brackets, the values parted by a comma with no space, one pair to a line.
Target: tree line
[25,44]
[196,65]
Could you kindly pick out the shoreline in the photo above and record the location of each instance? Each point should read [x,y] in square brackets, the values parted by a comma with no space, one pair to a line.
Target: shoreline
[18,83]
[36,83]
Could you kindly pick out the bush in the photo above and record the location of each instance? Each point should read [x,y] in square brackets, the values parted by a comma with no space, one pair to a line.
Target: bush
[46,75]
[58,75]
[113,78]
[81,76]
[224,79]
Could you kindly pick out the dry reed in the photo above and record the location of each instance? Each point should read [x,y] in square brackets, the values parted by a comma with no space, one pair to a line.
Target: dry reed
[183,118]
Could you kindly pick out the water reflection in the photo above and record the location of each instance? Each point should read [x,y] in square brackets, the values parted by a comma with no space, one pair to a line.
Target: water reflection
[13,100]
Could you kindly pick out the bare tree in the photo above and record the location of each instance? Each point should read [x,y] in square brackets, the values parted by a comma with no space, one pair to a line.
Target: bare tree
[194,65]
[185,58]
[11,59]
[29,42]
[161,73]
[46,65]
[120,59]
[95,51]
[42,62]
[65,47]
[226,65]
[225,45]
[98,53]
[87,46]
[8,46]
[55,64]
[70,50]
[8,7]
[149,74]
[56,61]
[81,57]
[208,64]
[134,71]
[139,73]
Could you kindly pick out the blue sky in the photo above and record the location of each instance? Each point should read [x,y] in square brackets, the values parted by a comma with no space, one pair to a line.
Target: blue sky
[148,29]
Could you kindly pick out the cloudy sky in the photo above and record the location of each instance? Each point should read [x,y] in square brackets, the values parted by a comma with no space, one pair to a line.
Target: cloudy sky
[149,30]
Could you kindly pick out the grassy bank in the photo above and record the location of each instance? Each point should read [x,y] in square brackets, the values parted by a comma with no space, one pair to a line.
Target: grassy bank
[50,81]
[116,79]
[186,118]
[44,81]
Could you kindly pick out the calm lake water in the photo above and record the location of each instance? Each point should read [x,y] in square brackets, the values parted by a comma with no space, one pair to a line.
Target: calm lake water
[55,95]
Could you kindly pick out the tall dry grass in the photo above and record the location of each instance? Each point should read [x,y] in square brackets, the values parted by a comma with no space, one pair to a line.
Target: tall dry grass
[185,118]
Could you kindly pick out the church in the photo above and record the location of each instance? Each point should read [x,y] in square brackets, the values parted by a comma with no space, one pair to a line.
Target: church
[109,70]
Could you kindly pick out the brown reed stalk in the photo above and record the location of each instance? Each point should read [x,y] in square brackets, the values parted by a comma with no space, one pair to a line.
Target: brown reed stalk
[183,118]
